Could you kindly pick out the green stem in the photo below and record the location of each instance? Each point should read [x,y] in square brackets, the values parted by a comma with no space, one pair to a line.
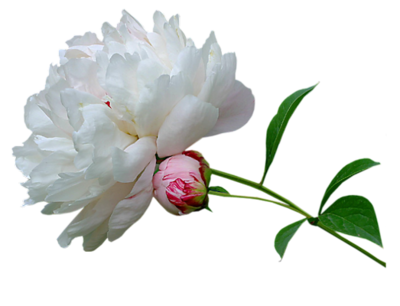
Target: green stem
[250,197]
[285,203]
[261,188]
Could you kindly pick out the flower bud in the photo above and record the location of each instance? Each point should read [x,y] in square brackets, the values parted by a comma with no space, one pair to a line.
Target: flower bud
[181,183]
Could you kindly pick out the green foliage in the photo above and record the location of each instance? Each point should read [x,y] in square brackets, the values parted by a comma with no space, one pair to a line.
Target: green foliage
[355,216]
[285,234]
[208,209]
[347,172]
[278,125]
[218,189]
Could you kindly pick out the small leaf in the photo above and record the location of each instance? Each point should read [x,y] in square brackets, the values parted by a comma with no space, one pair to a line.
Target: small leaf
[278,124]
[313,221]
[218,189]
[347,172]
[208,209]
[285,234]
[355,216]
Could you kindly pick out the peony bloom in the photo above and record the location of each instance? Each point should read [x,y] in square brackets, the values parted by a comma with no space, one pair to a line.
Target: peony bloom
[181,183]
[109,108]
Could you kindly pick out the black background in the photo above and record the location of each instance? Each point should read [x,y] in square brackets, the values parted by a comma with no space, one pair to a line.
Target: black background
[279,49]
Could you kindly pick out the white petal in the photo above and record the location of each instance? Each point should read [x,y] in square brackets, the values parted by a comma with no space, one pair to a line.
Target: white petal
[131,209]
[128,164]
[190,120]
[100,131]
[38,122]
[69,187]
[157,100]
[54,143]
[235,111]
[28,156]
[71,206]
[121,82]
[86,40]
[53,77]
[81,74]
[110,33]
[74,100]
[47,172]
[211,51]
[90,194]
[54,100]
[190,64]
[128,212]
[94,214]
[148,71]
[134,27]
[96,238]
[159,21]
[221,81]
[50,208]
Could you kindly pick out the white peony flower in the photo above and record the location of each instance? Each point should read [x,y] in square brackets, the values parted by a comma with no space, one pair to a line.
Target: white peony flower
[109,108]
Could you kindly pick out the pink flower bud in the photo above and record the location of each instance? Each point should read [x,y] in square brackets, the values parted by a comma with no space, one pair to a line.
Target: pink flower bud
[181,183]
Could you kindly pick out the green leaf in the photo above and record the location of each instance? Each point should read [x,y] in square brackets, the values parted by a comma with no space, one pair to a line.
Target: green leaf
[208,209]
[218,189]
[278,124]
[285,234]
[347,172]
[355,216]
[313,221]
